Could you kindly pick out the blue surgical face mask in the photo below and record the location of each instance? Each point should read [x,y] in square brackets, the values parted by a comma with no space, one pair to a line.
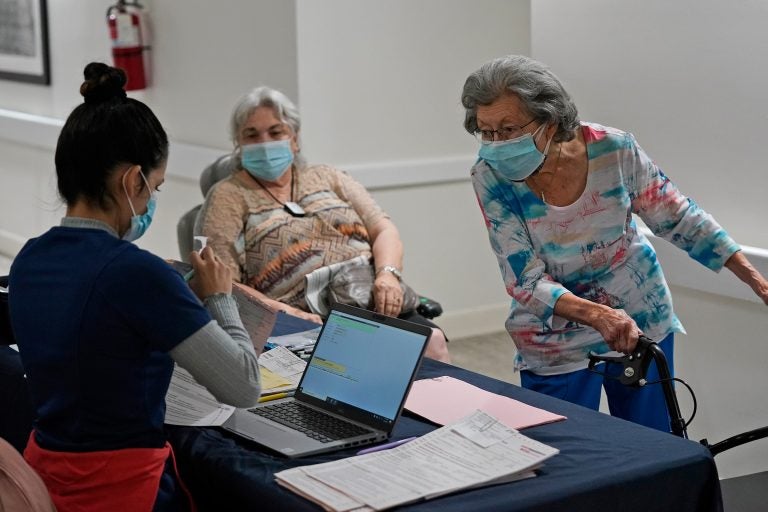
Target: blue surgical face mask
[140,223]
[515,159]
[267,160]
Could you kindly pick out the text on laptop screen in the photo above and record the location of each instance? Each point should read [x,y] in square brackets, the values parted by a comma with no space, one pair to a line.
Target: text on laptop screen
[362,363]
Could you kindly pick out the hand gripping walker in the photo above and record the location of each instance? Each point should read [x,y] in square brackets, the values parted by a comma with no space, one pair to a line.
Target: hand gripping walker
[634,373]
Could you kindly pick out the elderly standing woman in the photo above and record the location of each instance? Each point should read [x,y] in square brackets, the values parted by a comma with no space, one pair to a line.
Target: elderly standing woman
[277,219]
[558,196]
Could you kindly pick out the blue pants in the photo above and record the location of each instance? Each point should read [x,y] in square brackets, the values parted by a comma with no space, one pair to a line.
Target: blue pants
[645,406]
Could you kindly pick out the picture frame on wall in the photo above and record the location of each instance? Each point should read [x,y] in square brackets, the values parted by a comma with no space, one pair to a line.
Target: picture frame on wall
[24,41]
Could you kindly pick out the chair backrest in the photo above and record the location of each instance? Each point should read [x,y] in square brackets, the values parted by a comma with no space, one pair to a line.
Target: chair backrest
[185,230]
[6,336]
[21,488]
[221,168]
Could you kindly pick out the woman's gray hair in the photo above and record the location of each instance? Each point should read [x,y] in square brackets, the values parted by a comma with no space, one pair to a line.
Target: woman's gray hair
[540,91]
[264,96]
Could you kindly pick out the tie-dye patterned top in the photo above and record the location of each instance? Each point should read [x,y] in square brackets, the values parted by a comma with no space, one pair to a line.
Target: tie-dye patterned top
[592,248]
[269,249]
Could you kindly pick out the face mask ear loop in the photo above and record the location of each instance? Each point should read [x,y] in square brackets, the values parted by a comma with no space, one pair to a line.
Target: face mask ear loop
[133,211]
[546,148]
[545,153]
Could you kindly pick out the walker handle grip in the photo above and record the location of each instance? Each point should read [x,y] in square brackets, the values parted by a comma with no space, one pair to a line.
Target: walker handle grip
[635,363]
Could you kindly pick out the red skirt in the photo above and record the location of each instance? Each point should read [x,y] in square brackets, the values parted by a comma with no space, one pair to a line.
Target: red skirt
[109,480]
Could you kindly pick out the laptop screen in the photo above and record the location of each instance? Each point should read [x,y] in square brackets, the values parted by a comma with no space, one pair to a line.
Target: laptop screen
[363,366]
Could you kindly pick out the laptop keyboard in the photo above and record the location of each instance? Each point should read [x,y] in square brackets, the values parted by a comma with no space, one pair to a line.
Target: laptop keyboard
[311,422]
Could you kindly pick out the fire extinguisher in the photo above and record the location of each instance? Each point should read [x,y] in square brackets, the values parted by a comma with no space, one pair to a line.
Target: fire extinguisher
[129,36]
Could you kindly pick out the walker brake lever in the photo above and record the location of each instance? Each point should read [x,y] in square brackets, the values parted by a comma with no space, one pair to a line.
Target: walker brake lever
[635,363]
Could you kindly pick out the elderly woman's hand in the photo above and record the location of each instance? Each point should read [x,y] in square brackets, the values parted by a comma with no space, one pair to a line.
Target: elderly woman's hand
[387,294]
[617,328]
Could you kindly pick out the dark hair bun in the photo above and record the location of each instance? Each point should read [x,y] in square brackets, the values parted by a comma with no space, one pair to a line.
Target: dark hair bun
[102,83]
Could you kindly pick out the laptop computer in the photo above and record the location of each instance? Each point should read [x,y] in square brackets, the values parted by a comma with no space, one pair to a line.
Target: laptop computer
[359,374]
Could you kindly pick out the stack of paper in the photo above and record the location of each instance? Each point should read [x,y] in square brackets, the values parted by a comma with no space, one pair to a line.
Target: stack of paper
[473,452]
[281,370]
[189,403]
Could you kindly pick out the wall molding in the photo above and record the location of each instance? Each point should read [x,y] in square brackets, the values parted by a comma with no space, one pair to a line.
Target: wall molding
[187,161]
[30,129]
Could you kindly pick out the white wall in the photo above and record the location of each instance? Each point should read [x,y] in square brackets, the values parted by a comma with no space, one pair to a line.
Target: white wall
[682,76]
[379,91]
[381,81]
[378,85]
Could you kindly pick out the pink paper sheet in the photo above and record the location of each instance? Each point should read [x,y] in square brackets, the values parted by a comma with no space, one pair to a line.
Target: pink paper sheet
[444,400]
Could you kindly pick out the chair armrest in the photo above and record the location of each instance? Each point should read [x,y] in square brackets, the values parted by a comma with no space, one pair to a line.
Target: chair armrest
[429,308]
[185,232]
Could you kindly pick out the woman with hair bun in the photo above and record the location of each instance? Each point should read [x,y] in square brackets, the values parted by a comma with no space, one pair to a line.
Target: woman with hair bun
[116,317]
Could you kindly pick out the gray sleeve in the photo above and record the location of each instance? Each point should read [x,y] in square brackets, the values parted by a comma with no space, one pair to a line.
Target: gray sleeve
[220,355]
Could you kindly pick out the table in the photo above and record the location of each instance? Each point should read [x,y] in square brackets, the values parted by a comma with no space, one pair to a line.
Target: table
[605,463]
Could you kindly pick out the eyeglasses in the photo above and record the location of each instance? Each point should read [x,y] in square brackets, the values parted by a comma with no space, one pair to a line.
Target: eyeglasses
[502,134]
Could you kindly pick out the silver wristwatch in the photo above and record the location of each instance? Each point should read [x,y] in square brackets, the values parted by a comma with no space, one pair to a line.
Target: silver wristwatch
[389,268]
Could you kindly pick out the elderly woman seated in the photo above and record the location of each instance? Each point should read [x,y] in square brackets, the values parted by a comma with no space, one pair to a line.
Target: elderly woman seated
[277,219]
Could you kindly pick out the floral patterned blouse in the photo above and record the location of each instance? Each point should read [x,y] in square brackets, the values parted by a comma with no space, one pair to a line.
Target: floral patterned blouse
[592,248]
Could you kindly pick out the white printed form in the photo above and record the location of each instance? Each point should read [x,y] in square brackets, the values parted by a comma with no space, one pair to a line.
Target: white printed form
[483,430]
[284,363]
[188,403]
[475,451]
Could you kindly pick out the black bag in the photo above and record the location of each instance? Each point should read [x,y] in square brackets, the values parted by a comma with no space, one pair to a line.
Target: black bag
[354,287]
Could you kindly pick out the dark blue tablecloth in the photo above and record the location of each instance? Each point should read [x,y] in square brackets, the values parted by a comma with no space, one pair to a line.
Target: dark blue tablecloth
[604,464]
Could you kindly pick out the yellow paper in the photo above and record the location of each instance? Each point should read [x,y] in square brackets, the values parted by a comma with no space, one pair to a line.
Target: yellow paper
[272,381]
